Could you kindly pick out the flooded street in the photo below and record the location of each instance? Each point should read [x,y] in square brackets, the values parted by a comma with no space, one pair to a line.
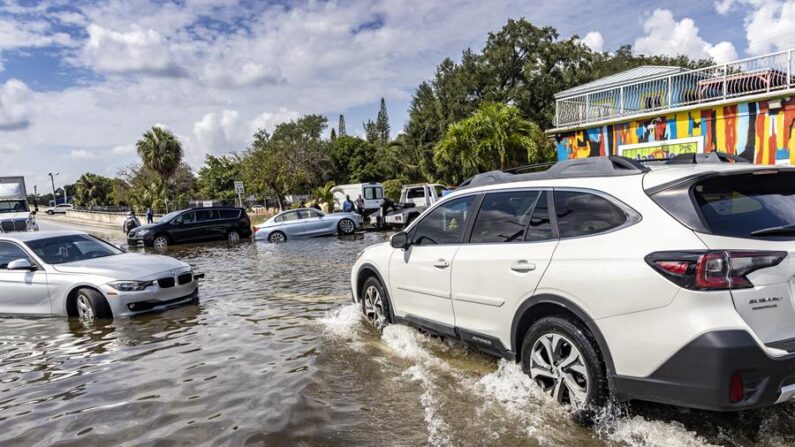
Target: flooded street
[275,354]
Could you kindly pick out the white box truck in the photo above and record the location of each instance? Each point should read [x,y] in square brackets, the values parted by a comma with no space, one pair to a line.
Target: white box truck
[15,213]
[372,193]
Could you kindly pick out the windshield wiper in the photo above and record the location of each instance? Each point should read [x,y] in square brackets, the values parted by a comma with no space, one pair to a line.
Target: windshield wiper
[786,229]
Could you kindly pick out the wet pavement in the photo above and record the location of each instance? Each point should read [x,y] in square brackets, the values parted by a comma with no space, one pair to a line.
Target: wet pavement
[275,354]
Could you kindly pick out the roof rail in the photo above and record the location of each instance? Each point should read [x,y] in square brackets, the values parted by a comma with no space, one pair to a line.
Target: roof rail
[610,166]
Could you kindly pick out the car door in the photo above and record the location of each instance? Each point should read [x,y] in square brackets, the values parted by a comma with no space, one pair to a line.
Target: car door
[185,228]
[510,246]
[314,223]
[22,291]
[209,225]
[420,275]
[292,224]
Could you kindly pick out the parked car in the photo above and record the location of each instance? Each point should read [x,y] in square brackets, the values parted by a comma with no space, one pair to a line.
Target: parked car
[193,225]
[307,222]
[372,193]
[74,274]
[608,277]
[59,209]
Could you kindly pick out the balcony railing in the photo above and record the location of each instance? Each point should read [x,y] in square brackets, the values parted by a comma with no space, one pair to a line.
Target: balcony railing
[762,74]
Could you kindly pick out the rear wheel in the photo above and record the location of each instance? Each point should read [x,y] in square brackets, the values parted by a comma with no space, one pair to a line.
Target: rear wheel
[233,236]
[375,304]
[276,237]
[91,305]
[160,241]
[559,354]
[346,227]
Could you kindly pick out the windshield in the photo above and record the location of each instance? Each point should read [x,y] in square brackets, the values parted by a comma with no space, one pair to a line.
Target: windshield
[71,248]
[741,204]
[169,217]
[13,206]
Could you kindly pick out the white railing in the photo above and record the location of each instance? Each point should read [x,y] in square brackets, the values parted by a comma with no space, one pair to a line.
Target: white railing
[762,74]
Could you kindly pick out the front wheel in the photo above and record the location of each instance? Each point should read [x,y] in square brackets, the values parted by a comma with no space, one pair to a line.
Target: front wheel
[561,357]
[375,304]
[160,241]
[233,236]
[91,305]
[50,212]
[346,227]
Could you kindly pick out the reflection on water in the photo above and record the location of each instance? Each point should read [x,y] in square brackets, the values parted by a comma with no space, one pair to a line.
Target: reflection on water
[275,354]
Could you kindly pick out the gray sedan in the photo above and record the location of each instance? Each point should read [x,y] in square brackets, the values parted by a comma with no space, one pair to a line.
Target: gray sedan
[307,222]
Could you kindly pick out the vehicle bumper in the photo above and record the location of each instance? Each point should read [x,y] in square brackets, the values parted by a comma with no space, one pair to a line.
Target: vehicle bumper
[145,240]
[699,375]
[153,298]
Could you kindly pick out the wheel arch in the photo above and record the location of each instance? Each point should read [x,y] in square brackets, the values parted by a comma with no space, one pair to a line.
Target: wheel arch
[544,305]
[366,271]
[71,298]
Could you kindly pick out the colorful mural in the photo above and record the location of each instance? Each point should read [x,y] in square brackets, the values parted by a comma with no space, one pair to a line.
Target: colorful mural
[747,129]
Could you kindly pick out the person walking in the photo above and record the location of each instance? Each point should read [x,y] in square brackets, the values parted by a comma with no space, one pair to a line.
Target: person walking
[150,216]
[360,205]
[347,205]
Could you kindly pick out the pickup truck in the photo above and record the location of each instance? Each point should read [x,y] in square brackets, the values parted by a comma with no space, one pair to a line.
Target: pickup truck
[414,199]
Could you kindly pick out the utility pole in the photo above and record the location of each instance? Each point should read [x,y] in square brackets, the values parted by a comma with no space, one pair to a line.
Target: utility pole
[52,181]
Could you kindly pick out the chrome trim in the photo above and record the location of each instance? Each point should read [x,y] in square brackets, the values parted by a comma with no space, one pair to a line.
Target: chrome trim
[787,393]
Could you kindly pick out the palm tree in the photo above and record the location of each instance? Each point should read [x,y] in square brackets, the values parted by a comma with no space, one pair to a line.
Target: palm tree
[92,190]
[160,151]
[325,195]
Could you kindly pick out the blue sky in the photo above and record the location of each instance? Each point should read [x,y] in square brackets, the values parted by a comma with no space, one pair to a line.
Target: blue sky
[81,80]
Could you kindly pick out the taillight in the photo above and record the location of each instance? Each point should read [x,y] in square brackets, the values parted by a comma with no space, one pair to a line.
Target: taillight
[712,270]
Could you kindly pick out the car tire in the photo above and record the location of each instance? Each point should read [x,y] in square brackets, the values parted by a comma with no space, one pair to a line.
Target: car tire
[277,237]
[91,305]
[346,227]
[561,356]
[49,212]
[160,241]
[375,303]
[233,236]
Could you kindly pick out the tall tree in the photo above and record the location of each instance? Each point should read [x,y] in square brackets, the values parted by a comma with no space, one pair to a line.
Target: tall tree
[370,131]
[382,124]
[217,177]
[93,190]
[333,134]
[160,151]
[341,126]
[494,137]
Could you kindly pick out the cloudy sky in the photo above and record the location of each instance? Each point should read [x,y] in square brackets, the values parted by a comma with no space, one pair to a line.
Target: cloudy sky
[80,81]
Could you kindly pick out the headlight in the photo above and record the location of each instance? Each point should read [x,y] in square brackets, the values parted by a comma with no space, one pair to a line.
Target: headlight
[143,232]
[130,286]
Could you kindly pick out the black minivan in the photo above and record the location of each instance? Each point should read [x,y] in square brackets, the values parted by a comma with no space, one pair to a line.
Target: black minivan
[193,225]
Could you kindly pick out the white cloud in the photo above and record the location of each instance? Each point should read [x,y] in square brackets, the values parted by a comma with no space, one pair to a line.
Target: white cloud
[665,36]
[34,33]
[723,6]
[123,149]
[81,154]
[9,148]
[594,41]
[15,99]
[770,26]
[135,51]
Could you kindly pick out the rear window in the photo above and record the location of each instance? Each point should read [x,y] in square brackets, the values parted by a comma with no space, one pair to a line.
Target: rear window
[748,205]
[583,214]
[233,214]
[373,193]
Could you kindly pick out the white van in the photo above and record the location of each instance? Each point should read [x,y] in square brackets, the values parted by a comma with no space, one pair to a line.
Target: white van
[373,194]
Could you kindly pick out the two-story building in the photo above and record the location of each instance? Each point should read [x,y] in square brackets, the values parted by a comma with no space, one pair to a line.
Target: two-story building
[746,108]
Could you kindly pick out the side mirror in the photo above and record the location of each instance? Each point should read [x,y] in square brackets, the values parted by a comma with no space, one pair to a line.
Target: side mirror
[400,240]
[20,264]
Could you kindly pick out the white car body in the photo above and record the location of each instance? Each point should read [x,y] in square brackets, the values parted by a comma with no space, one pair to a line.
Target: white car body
[48,288]
[372,193]
[60,209]
[15,212]
[646,326]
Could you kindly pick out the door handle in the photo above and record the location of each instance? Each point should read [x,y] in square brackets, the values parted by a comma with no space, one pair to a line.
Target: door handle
[441,263]
[523,266]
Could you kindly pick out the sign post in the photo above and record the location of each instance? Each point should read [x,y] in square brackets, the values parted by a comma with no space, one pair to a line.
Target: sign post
[239,190]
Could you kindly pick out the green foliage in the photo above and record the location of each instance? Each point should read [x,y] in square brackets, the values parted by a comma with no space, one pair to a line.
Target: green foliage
[324,195]
[333,134]
[217,177]
[294,158]
[494,137]
[93,190]
[354,160]
[143,188]
[341,126]
[160,151]
[382,124]
[392,189]
[370,132]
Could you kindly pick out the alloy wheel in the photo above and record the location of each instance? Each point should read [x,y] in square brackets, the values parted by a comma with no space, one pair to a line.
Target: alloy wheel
[559,368]
[374,307]
[233,236]
[277,237]
[160,242]
[84,309]
[347,226]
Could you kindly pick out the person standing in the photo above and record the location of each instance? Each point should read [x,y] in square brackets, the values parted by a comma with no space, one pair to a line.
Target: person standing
[150,216]
[347,205]
[360,205]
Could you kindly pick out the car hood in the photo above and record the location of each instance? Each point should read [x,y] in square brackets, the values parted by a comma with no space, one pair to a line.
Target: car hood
[129,266]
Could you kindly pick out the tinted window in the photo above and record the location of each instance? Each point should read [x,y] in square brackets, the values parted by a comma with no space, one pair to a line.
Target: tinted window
[582,213]
[306,214]
[737,205]
[234,214]
[445,224]
[10,252]
[186,218]
[416,193]
[78,247]
[288,216]
[13,206]
[205,215]
[540,228]
[504,216]
[372,193]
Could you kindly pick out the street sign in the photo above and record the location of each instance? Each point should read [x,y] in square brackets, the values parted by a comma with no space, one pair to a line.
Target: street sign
[239,187]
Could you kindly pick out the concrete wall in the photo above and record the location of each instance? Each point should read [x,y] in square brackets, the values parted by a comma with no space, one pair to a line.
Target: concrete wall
[115,219]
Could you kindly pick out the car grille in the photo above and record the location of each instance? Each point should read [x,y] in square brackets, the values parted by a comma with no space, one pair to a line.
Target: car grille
[165,283]
[185,278]
[14,225]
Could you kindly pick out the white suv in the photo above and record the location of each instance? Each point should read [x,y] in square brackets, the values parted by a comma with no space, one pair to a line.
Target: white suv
[608,278]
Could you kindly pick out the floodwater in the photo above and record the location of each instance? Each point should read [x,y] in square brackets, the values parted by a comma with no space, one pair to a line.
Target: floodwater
[275,354]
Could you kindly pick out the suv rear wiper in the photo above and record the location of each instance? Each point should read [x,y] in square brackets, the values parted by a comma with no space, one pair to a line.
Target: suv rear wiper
[786,229]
